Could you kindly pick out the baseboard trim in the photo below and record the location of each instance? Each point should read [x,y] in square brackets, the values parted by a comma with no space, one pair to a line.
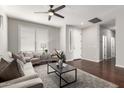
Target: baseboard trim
[119,66]
[85,59]
[91,60]
[69,60]
[72,59]
[97,61]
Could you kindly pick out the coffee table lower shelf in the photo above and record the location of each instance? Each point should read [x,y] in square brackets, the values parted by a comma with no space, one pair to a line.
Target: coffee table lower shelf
[60,75]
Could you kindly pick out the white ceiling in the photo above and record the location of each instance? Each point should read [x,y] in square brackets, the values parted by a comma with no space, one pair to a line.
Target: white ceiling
[74,14]
[109,24]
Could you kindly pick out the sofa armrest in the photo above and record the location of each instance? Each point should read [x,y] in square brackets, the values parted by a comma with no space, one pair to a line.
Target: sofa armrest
[17,80]
[32,83]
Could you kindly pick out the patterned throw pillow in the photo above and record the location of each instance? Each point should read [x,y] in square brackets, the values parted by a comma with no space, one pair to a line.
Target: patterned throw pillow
[10,70]
[19,56]
[3,65]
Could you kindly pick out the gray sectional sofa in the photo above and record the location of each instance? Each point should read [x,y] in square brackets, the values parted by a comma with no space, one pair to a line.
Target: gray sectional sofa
[39,58]
[30,79]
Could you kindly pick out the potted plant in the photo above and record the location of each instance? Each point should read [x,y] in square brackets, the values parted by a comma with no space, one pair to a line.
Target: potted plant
[61,57]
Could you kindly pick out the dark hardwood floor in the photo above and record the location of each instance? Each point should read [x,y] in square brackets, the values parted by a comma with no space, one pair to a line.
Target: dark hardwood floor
[105,70]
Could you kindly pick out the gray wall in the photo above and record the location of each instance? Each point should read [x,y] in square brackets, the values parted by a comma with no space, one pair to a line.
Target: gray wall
[54,34]
[118,15]
[107,32]
[119,37]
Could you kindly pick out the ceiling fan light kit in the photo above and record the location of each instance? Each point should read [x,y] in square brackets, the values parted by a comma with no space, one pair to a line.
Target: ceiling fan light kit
[52,11]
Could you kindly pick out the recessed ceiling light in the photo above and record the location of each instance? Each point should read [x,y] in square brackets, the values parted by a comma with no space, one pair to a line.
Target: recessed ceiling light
[82,23]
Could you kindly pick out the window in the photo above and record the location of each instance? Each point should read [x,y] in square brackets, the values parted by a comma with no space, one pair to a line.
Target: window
[41,39]
[27,38]
[32,39]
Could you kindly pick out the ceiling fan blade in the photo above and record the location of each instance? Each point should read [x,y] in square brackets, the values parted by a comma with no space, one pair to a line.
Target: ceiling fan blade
[59,8]
[58,15]
[40,12]
[49,18]
[51,6]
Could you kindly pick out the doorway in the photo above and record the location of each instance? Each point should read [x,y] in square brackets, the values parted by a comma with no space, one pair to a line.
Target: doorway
[108,40]
[104,47]
[75,43]
[113,47]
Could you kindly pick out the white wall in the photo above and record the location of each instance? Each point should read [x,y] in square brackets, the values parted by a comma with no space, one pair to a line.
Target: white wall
[3,34]
[90,43]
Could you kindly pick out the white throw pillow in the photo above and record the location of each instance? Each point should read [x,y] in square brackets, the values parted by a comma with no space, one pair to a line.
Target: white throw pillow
[20,66]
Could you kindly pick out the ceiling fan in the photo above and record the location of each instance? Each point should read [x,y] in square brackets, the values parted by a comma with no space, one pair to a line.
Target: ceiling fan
[52,11]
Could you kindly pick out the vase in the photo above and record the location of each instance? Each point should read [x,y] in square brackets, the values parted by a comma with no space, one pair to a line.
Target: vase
[60,63]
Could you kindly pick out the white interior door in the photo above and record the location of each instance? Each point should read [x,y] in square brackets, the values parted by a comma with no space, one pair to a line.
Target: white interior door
[112,47]
[104,38]
[76,43]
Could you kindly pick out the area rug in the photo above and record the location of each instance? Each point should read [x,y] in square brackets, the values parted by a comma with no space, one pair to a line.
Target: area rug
[84,79]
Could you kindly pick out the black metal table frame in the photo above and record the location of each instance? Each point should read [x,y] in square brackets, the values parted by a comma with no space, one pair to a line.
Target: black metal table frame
[60,75]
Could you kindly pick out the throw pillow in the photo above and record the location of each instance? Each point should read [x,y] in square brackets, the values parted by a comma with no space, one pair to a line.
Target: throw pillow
[3,65]
[27,59]
[11,71]
[9,54]
[20,67]
[19,56]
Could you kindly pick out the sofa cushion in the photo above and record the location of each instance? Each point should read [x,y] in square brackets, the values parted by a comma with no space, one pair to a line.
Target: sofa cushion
[28,69]
[28,54]
[55,58]
[17,80]
[32,83]
[11,71]
[45,56]
[27,59]
[35,59]
[37,54]
[19,56]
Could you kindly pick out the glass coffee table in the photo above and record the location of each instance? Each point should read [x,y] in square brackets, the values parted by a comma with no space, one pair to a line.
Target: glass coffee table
[60,71]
